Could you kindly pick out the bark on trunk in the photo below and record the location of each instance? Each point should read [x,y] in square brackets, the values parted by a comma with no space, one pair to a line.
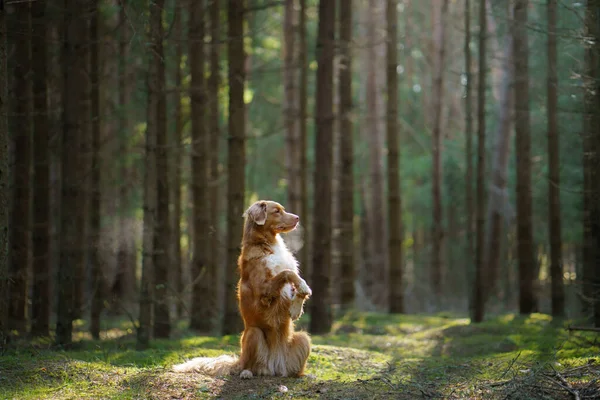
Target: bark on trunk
[396,289]
[523,151]
[320,310]
[20,227]
[40,306]
[346,187]
[236,159]
[302,138]
[4,182]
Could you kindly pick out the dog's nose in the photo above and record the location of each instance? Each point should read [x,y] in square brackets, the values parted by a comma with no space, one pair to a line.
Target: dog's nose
[296,218]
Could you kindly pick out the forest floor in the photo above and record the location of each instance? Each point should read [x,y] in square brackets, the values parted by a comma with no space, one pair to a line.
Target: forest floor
[367,356]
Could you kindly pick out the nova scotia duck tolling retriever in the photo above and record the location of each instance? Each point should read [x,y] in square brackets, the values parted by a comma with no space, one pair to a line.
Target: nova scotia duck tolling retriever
[271,297]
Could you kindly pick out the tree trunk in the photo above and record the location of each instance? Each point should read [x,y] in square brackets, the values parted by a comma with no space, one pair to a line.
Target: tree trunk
[438,94]
[162,323]
[150,184]
[71,251]
[5,176]
[374,93]
[236,161]
[97,266]
[203,294]
[20,227]
[215,135]
[478,284]
[525,246]
[176,159]
[498,197]
[320,310]
[554,223]
[123,285]
[40,299]
[302,138]
[396,289]
[346,187]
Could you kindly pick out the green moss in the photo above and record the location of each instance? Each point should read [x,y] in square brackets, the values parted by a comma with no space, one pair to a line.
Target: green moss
[366,355]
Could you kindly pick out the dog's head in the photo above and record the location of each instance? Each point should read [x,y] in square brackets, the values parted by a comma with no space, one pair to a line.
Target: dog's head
[271,217]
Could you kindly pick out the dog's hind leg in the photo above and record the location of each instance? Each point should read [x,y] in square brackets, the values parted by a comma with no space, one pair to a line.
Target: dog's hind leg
[299,350]
[254,354]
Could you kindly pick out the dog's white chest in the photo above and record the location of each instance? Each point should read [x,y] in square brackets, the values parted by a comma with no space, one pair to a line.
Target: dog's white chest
[281,259]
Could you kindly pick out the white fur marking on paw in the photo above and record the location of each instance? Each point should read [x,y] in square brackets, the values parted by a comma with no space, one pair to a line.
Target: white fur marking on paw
[296,309]
[246,374]
[304,289]
[288,292]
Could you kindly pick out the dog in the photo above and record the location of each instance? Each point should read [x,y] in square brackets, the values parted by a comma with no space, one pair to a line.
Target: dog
[271,296]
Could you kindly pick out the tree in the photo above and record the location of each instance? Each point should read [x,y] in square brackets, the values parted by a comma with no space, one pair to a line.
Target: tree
[497,196]
[203,273]
[396,291]
[150,181]
[302,134]
[236,160]
[346,187]
[523,152]
[40,299]
[72,196]
[554,223]
[437,96]
[162,324]
[321,315]
[478,296]
[20,227]
[97,273]
[4,182]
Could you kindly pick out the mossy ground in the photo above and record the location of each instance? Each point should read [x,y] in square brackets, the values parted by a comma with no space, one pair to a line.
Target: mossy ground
[367,356]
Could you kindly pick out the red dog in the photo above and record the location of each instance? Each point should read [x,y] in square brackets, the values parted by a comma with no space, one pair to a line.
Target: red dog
[271,296]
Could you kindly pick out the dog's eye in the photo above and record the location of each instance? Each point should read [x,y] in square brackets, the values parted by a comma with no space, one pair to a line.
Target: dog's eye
[276,211]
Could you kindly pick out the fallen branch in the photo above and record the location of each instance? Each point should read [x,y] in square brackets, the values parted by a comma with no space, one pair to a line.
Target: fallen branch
[566,385]
[583,329]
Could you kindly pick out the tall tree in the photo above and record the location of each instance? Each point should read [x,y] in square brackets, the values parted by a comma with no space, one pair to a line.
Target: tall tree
[470,248]
[497,196]
[20,227]
[396,290]
[150,181]
[346,187]
[40,299]
[290,105]
[203,291]
[523,151]
[479,281]
[556,269]
[97,273]
[162,324]
[302,134]
[437,96]
[236,161]
[320,310]
[4,181]
[72,196]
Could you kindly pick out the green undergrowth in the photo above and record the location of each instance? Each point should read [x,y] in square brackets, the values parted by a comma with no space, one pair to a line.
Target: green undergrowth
[366,356]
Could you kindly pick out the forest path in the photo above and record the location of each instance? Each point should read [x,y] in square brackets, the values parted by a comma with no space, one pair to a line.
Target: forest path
[367,356]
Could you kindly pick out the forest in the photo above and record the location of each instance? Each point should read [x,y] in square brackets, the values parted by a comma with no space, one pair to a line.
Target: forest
[443,157]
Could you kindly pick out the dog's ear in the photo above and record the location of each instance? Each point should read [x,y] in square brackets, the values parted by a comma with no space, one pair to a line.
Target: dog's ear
[257,212]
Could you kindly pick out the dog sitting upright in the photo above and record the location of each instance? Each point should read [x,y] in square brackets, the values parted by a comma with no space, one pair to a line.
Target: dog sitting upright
[271,296]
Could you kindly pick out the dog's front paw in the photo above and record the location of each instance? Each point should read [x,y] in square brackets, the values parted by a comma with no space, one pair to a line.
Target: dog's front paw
[296,309]
[304,289]
[246,374]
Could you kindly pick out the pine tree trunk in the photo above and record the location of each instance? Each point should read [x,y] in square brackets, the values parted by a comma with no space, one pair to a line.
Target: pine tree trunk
[20,227]
[5,175]
[40,299]
[470,248]
[236,161]
[438,94]
[554,223]
[346,187]
[72,227]
[396,289]
[525,247]
[479,281]
[162,323]
[97,266]
[320,310]
[203,294]
[150,184]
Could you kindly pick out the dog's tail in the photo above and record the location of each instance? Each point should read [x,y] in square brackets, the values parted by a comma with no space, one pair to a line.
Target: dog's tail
[212,366]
